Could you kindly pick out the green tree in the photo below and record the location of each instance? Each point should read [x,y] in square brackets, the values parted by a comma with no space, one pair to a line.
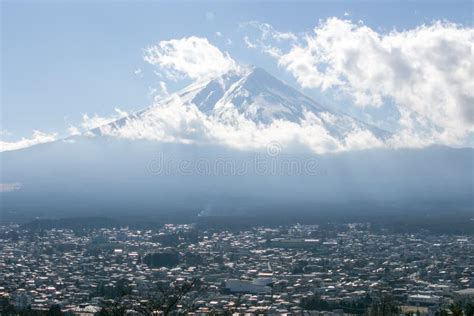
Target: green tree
[469,310]
[385,306]
[55,310]
[456,309]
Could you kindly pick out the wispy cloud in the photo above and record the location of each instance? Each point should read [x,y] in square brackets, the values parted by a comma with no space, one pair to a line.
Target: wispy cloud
[92,121]
[38,137]
[249,43]
[138,72]
[159,92]
[4,132]
[267,32]
[73,130]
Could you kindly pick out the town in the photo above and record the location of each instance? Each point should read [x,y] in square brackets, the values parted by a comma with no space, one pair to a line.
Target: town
[341,269]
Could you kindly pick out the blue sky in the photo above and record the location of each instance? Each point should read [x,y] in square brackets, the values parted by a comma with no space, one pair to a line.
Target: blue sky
[61,59]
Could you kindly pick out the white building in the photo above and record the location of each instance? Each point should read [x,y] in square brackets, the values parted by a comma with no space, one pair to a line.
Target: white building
[419,299]
[242,286]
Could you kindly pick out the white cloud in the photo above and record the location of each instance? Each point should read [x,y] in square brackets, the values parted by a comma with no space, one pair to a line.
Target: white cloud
[268,32]
[4,132]
[163,88]
[37,138]
[91,122]
[218,34]
[265,38]
[138,72]
[426,71]
[249,43]
[178,121]
[73,130]
[191,57]
[160,92]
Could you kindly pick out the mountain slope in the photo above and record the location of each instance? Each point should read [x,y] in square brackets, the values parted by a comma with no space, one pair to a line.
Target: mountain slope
[105,175]
[257,95]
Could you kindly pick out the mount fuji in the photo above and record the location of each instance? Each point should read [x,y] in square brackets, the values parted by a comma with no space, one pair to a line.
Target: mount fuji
[203,148]
[238,101]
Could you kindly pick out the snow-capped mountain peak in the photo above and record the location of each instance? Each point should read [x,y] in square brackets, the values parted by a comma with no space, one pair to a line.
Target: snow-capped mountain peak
[256,94]
[245,108]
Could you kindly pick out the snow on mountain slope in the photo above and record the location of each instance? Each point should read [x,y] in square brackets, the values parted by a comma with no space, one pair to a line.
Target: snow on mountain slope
[257,95]
[246,108]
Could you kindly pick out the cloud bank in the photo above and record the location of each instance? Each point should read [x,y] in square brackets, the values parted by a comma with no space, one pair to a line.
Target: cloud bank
[179,121]
[426,72]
